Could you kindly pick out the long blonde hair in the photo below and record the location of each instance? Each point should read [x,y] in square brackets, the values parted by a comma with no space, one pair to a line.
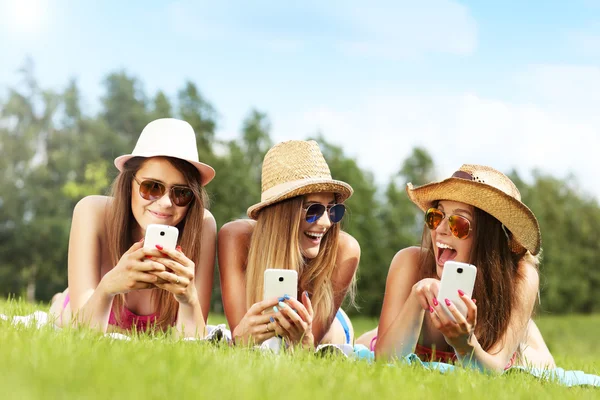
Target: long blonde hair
[275,244]
[120,227]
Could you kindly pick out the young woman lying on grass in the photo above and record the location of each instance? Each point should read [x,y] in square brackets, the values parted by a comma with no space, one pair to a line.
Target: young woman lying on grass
[114,283]
[476,217]
[295,226]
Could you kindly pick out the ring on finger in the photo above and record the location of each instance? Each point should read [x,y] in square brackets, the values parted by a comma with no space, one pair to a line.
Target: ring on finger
[177,281]
[267,327]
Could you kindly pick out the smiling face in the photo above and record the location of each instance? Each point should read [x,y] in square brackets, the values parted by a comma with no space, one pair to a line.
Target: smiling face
[161,211]
[447,246]
[310,235]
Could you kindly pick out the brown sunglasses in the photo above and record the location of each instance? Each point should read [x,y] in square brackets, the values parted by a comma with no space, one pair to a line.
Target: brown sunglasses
[151,190]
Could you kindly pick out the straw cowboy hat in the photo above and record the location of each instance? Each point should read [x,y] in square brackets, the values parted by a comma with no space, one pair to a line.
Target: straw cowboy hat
[294,168]
[491,191]
[169,137]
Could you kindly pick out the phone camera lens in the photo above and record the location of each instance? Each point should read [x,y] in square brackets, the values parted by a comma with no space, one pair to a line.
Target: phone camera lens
[459,270]
[281,279]
[162,233]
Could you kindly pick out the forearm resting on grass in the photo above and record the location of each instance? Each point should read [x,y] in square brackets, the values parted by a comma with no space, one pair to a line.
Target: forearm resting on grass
[190,321]
[474,356]
[400,338]
[95,311]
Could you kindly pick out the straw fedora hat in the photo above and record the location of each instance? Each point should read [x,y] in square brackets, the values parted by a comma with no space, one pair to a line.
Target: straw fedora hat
[491,191]
[294,168]
[169,137]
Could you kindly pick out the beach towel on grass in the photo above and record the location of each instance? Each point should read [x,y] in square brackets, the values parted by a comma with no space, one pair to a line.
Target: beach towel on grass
[38,319]
[559,375]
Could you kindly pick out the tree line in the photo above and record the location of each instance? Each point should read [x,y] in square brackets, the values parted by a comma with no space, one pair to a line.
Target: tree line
[53,153]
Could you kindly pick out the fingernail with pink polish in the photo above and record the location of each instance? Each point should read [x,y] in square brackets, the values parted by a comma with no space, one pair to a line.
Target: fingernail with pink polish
[435,302]
[461,293]
[448,302]
[158,246]
[430,309]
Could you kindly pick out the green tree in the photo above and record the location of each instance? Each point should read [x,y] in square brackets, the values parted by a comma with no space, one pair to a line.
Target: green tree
[161,106]
[570,225]
[363,224]
[124,107]
[418,168]
[194,109]
[32,227]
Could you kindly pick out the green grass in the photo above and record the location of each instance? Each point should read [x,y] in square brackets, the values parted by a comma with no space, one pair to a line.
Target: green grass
[44,363]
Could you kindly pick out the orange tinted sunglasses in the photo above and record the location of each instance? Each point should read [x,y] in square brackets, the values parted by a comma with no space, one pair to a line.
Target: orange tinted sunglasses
[459,225]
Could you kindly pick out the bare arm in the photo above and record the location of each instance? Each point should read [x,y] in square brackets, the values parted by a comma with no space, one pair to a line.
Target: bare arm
[89,303]
[402,313]
[191,318]
[348,257]
[233,246]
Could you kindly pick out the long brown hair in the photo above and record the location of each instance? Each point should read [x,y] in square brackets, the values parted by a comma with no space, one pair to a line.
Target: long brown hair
[498,275]
[275,244]
[121,225]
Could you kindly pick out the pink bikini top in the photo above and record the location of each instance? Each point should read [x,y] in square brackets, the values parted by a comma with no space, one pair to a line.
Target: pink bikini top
[130,321]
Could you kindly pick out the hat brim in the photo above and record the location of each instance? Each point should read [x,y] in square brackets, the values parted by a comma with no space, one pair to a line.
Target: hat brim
[342,190]
[207,173]
[515,215]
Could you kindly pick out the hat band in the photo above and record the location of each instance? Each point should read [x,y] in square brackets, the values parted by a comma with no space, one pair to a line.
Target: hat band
[462,175]
[286,186]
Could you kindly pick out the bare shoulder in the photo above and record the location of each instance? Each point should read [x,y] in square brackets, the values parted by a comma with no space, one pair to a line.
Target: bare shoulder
[93,207]
[405,261]
[238,230]
[233,242]
[348,257]
[530,278]
[348,246]
[209,221]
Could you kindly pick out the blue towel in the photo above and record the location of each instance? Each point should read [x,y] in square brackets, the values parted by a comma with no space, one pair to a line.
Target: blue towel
[559,375]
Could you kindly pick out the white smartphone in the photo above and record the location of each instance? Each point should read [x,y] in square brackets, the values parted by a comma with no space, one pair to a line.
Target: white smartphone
[455,276]
[279,282]
[163,235]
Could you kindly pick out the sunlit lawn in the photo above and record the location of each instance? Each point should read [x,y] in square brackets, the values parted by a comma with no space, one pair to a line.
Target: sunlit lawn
[44,363]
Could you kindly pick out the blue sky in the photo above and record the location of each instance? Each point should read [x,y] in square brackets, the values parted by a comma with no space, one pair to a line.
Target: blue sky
[512,84]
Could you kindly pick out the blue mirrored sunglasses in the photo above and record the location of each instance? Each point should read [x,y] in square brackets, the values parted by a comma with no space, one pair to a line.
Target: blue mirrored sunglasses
[315,211]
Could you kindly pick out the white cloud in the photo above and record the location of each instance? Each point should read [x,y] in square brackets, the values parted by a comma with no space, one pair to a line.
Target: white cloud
[574,89]
[381,130]
[196,21]
[398,29]
[406,29]
[585,42]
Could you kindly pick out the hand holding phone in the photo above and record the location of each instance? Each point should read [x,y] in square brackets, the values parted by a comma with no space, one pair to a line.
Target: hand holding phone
[162,235]
[455,276]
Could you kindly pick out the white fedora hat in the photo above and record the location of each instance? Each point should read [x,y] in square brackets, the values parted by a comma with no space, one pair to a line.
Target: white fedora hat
[169,137]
